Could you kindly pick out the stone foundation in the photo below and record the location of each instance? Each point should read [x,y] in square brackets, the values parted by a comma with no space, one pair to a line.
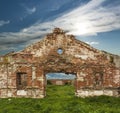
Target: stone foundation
[28,93]
[91,93]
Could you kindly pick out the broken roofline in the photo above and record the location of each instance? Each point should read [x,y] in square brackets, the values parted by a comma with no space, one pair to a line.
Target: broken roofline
[22,74]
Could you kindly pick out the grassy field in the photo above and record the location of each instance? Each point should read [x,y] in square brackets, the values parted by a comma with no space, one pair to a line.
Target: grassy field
[61,99]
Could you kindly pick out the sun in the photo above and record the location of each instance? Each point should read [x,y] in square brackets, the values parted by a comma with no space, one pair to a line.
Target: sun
[83,28]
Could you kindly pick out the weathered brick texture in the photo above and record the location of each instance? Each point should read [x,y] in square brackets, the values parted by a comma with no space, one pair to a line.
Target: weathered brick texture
[22,74]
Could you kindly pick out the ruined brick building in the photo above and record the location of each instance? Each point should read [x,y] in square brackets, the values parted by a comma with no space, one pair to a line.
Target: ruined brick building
[22,74]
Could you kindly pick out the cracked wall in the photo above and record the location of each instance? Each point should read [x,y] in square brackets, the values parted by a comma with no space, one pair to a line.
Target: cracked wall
[22,74]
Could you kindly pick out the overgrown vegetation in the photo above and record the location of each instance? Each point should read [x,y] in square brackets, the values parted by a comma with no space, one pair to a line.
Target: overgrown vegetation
[61,99]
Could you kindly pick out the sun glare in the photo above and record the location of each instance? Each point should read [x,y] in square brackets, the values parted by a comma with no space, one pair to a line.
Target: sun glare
[81,28]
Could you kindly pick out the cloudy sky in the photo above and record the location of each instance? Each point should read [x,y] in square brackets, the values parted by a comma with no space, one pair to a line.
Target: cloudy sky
[96,22]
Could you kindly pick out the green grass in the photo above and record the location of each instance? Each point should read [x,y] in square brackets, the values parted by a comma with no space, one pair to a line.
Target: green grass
[61,99]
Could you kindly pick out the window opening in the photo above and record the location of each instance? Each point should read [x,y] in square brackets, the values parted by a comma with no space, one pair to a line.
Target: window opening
[98,78]
[60,51]
[21,80]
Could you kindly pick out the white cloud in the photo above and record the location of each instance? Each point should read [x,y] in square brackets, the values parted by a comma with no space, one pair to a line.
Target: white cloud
[92,43]
[89,19]
[2,22]
[27,11]
[4,47]
[31,10]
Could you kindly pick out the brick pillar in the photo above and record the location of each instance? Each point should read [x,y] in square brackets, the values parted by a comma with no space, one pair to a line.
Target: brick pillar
[3,80]
[38,83]
[80,84]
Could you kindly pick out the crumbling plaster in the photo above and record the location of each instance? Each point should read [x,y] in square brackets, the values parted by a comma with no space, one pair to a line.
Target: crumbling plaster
[97,72]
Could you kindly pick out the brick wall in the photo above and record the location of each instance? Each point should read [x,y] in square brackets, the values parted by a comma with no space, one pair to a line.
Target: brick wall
[96,73]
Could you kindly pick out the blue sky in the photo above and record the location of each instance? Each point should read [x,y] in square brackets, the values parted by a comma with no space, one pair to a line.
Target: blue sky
[60,76]
[96,22]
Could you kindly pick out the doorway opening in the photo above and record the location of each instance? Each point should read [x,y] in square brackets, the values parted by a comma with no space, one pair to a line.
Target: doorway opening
[60,85]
